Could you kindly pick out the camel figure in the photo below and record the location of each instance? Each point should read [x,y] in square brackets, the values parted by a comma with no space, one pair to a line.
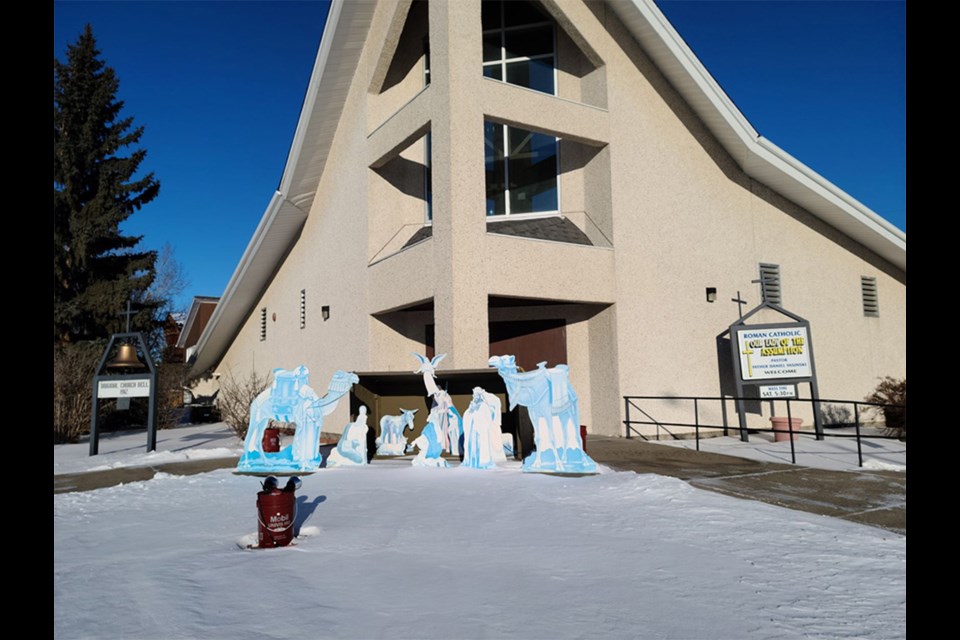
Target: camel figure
[552,405]
[290,399]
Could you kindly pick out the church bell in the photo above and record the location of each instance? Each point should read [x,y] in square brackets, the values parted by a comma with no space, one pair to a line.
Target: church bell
[126,359]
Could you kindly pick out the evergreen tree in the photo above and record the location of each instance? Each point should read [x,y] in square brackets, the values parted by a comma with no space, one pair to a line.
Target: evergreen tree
[96,269]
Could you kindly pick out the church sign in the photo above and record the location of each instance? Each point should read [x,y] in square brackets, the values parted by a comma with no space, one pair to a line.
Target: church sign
[770,391]
[770,360]
[771,353]
[123,388]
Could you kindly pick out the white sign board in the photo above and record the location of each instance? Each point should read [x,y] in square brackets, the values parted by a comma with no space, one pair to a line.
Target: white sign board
[123,389]
[780,352]
[778,391]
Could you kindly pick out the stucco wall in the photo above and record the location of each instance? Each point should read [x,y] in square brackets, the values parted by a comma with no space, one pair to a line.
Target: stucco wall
[636,160]
[687,218]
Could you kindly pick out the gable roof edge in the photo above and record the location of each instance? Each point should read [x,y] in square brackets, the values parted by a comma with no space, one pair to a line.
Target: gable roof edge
[279,226]
[310,100]
[757,156]
[287,210]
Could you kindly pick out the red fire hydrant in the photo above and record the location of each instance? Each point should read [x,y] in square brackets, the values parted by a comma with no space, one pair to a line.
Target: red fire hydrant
[276,512]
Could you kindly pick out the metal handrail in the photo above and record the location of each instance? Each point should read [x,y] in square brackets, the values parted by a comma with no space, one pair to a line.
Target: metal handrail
[629,401]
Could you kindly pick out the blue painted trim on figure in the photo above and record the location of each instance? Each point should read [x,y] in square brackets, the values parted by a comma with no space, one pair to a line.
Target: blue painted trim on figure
[554,412]
[290,399]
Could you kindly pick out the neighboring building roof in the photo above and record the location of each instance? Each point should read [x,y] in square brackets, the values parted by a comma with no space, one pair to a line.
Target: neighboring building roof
[194,318]
[172,325]
[340,47]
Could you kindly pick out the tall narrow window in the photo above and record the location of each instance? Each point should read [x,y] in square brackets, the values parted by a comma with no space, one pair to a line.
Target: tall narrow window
[303,308]
[770,283]
[521,170]
[428,176]
[519,44]
[868,291]
[426,61]
[263,324]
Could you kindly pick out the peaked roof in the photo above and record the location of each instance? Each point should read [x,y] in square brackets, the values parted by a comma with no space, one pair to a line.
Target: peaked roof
[192,317]
[343,39]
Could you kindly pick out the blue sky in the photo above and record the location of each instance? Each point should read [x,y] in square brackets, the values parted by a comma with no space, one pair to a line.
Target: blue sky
[218,86]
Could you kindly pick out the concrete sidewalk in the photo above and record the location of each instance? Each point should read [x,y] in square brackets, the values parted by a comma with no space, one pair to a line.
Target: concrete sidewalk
[872,497]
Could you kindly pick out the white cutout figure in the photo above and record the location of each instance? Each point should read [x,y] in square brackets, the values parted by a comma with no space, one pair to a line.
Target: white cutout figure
[442,412]
[427,368]
[290,399]
[392,441]
[482,435]
[429,447]
[552,405]
[351,450]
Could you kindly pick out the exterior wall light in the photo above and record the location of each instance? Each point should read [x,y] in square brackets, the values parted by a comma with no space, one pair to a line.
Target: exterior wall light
[711,294]
[325,312]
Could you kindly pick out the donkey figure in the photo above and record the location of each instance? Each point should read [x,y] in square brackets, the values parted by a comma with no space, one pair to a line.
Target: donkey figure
[392,441]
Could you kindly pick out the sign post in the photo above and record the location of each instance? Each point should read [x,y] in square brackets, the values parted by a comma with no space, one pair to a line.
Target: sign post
[771,359]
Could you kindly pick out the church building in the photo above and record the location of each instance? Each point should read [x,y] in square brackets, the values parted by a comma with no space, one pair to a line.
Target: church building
[559,180]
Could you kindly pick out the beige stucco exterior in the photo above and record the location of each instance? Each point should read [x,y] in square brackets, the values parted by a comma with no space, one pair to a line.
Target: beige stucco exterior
[669,211]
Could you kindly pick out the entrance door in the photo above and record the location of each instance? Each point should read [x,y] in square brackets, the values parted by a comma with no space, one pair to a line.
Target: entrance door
[531,341]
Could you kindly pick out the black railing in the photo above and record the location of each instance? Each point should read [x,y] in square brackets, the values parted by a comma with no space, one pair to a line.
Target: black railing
[823,406]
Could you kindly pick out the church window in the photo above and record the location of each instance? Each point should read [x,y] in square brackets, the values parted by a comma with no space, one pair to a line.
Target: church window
[521,170]
[519,45]
[426,62]
[428,175]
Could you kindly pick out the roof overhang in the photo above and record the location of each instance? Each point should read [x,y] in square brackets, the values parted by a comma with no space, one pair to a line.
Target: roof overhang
[343,39]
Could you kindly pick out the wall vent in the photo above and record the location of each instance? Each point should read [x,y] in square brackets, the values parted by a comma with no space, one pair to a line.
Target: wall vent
[770,283]
[868,290]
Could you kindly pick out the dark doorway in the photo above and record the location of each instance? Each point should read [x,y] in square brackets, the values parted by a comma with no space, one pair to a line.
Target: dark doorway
[429,341]
[531,341]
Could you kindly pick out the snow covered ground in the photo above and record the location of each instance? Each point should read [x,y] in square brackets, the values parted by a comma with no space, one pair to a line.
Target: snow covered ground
[129,449]
[393,551]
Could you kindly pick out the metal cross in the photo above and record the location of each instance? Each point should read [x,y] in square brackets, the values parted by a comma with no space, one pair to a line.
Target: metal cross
[129,313]
[748,352]
[740,304]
